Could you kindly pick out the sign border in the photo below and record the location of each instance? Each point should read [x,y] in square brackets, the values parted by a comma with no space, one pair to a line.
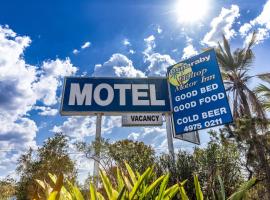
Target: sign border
[222,85]
[92,113]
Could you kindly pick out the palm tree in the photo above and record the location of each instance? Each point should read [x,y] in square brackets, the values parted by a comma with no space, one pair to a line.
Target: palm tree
[264,91]
[245,104]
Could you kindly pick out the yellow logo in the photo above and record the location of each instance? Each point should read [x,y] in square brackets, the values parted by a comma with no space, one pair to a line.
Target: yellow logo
[180,74]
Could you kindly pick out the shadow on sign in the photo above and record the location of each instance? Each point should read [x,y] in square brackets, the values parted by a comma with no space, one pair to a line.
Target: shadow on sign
[192,137]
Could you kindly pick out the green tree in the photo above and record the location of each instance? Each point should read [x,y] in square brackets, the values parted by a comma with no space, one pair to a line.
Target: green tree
[7,188]
[52,157]
[219,158]
[249,114]
[181,168]
[137,154]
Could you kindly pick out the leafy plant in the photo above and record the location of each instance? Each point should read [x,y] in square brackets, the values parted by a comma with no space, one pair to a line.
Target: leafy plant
[132,185]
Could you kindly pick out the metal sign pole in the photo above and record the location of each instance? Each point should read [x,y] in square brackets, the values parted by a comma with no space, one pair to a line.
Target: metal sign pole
[97,139]
[169,134]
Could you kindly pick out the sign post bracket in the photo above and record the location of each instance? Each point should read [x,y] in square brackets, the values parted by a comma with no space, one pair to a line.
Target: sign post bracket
[169,134]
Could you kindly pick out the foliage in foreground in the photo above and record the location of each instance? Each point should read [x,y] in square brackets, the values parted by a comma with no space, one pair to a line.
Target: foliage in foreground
[132,185]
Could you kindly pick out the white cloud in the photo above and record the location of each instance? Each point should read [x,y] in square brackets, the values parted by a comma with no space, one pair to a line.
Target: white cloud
[244,29]
[50,79]
[154,136]
[21,86]
[133,136]
[126,42]
[80,127]
[150,45]
[75,51]
[189,50]
[85,45]
[17,97]
[158,64]
[111,122]
[264,18]
[131,51]
[46,111]
[159,30]
[261,23]
[223,24]
[77,127]
[118,65]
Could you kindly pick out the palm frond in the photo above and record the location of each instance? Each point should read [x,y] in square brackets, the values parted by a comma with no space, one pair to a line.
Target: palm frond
[264,77]
[255,103]
[227,49]
[262,89]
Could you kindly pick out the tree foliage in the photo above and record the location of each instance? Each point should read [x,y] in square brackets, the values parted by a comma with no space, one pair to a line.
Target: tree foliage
[218,158]
[51,157]
[7,188]
[251,124]
[137,154]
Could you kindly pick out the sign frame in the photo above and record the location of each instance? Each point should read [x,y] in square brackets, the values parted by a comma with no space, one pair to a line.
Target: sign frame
[221,85]
[106,113]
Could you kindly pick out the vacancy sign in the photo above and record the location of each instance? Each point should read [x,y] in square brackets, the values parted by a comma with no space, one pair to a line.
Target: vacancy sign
[198,96]
[91,95]
[142,119]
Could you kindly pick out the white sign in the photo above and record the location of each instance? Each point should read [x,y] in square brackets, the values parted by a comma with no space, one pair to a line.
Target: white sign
[142,120]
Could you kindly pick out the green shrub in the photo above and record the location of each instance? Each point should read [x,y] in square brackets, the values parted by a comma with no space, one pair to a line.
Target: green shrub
[132,185]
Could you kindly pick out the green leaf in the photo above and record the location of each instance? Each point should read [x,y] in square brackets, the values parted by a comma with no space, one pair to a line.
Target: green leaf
[64,193]
[54,196]
[120,181]
[182,190]
[171,192]
[100,197]
[150,188]
[77,193]
[106,183]
[57,188]
[222,190]
[93,193]
[199,194]
[163,187]
[138,183]
[121,193]
[241,192]
[127,183]
[131,173]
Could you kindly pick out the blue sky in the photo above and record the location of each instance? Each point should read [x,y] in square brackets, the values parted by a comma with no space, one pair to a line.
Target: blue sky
[41,42]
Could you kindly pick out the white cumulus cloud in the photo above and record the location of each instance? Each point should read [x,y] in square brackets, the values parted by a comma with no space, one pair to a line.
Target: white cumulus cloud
[46,111]
[223,24]
[126,42]
[158,63]
[261,23]
[21,86]
[50,79]
[118,65]
[189,51]
[86,45]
